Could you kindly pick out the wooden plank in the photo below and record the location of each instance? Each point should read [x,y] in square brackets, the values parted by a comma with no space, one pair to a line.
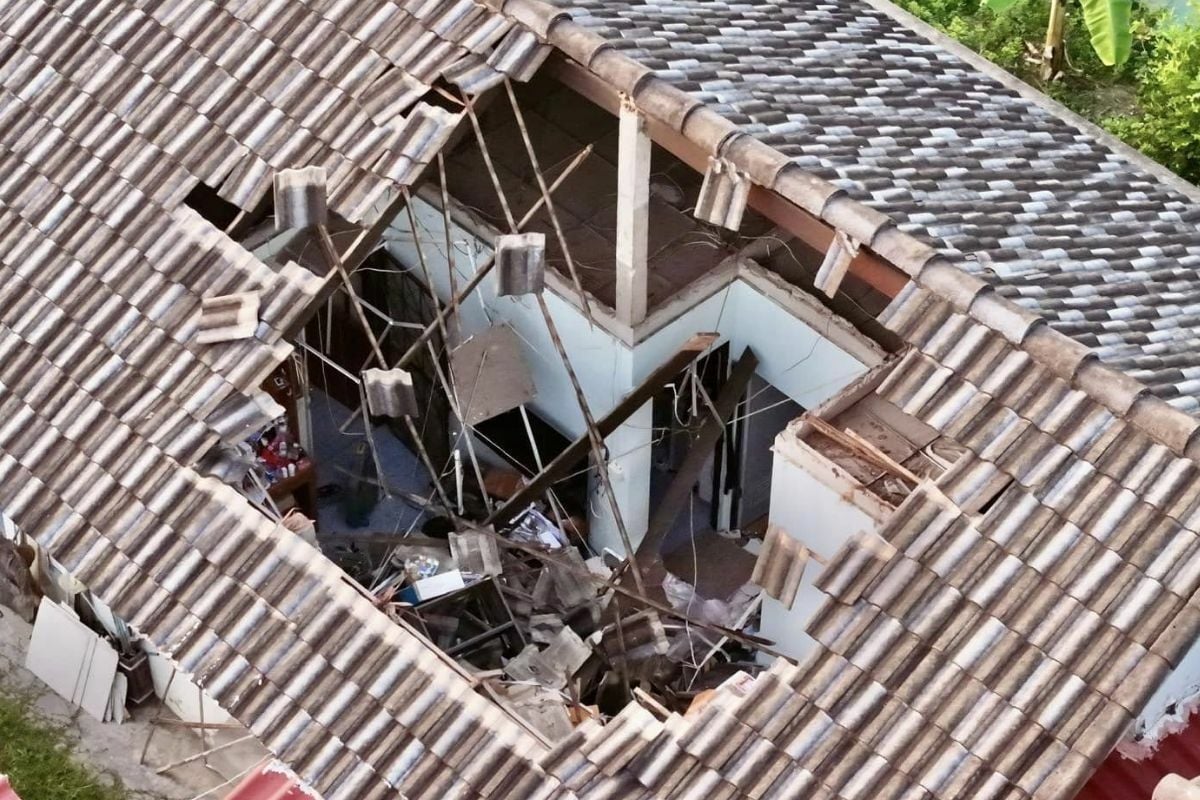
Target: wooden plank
[857,444]
[578,449]
[701,450]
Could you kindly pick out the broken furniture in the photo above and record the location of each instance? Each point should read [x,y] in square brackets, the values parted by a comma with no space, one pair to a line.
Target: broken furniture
[469,620]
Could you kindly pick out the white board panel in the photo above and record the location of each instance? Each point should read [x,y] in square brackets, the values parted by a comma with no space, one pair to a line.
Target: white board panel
[71,659]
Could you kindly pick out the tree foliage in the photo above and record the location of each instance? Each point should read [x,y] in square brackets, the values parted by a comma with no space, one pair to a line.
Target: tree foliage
[1166,123]
[1007,38]
[1108,21]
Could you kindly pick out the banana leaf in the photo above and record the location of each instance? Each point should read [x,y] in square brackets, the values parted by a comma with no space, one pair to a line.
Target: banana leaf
[1108,23]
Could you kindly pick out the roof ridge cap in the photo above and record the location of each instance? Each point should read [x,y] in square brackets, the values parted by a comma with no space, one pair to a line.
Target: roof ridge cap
[1069,360]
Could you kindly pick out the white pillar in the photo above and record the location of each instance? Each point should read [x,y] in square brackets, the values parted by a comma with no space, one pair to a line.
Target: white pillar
[629,472]
[633,199]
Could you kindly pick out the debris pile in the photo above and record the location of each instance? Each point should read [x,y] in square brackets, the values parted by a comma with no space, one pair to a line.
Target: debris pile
[556,633]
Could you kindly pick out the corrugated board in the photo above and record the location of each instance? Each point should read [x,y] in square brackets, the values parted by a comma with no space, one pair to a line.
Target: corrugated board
[72,659]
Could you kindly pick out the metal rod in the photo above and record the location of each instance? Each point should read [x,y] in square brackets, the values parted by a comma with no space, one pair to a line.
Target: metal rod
[395,323]
[415,435]
[439,318]
[204,754]
[537,460]
[441,161]
[484,269]
[541,181]
[370,432]
[452,397]
[335,261]
[487,160]
[487,266]
[157,715]
[203,727]
[329,362]
[212,726]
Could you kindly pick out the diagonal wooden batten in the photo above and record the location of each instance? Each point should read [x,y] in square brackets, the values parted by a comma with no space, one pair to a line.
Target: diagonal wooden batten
[541,181]
[595,440]
[697,455]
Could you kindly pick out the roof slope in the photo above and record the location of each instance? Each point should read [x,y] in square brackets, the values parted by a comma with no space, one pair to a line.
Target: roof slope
[998,648]
[1010,187]
[111,113]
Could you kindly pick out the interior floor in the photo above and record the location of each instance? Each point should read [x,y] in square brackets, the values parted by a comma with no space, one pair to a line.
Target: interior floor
[339,464]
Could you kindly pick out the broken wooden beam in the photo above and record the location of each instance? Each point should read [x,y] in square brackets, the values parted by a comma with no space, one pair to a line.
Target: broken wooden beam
[575,452]
[701,450]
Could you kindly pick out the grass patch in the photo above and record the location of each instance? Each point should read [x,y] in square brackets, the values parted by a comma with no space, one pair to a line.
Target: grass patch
[38,760]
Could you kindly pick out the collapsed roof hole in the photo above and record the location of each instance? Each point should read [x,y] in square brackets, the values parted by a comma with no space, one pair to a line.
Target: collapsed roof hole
[990,501]
[560,124]
[204,200]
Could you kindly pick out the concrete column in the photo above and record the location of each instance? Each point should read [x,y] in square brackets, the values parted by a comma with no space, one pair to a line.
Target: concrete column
[633,199]
[629,471]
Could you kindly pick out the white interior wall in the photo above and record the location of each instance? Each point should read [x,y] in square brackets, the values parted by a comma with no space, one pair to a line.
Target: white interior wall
[810,505]
[793,356]
[602,363]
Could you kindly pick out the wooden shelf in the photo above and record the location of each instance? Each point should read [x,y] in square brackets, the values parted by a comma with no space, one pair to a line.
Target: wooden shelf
[303,485]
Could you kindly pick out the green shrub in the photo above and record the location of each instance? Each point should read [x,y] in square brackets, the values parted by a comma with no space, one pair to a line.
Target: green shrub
[1166,123]
[37,759]
[1152,101]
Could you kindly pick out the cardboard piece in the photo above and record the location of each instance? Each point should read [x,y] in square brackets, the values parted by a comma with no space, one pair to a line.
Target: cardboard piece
[438,585]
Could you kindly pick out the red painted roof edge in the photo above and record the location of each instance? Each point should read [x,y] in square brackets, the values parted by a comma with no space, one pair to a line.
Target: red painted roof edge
[269,781]
[1133,770]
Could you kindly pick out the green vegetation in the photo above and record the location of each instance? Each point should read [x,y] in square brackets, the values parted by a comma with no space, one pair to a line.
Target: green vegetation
[1166,123]
[38,761]
[1151,101]
[1108,21]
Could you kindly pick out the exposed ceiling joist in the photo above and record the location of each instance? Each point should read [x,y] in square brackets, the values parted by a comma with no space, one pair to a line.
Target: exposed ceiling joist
[867,266]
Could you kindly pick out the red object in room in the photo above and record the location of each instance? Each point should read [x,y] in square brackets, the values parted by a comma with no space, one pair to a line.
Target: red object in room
[1122,778]
[268,782]
[6,790]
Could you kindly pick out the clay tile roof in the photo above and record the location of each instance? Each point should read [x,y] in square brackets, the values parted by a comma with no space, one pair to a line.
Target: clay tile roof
[964,658]
[111,114]
[1012,187]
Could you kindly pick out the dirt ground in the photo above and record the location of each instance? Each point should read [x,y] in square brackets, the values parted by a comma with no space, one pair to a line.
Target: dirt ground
[114,750]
